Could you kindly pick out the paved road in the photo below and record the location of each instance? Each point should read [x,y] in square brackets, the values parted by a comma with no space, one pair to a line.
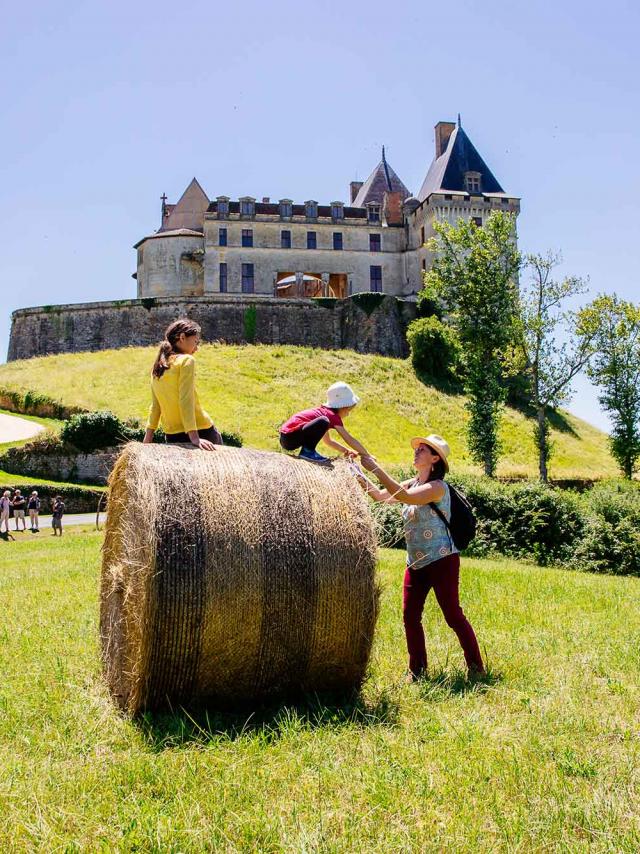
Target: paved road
[67,519]
[12,428]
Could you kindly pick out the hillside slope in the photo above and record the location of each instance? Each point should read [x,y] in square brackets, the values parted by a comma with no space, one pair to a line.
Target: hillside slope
[252,389]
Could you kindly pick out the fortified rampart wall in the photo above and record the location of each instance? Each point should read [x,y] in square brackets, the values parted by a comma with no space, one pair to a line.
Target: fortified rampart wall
[367,323]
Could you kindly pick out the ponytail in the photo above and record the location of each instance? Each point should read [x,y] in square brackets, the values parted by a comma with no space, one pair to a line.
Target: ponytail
[168,346]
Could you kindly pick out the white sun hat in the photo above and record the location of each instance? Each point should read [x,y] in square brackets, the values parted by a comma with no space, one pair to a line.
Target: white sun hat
[340,394]
[436,443]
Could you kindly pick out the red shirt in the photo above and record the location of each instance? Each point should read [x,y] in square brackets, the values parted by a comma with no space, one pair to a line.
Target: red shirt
[301,418]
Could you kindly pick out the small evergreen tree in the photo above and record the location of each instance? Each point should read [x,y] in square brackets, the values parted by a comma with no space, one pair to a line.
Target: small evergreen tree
[614,325]
[475,272]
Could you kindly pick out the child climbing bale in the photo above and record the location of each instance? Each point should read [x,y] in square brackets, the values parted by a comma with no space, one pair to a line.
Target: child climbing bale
[249,576]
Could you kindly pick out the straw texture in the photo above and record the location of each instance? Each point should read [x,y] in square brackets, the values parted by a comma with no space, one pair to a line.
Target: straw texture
[233,575]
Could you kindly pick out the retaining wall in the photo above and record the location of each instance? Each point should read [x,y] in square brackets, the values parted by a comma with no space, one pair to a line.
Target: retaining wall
[367,323]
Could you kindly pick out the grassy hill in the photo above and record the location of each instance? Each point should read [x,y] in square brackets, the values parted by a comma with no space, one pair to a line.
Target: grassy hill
[543,756]
[252,389]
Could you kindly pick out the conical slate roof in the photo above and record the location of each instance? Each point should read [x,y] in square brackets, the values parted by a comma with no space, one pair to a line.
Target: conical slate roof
[382,180]
[447,171]
[188,212]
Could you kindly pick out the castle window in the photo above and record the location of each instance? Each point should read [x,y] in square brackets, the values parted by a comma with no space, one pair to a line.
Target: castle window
[223,278]
[422,234]
[375,278]
[285,239]
[247,278]
[312,211]
[472,182]
[477,220]
[424,265]
[312,242]
[337,210]
[247,207]
[223,207]
[247,237]
[448,197]
[505,201]
[222,237]
[374,213]
[375,243]
[337,240]
[286,208]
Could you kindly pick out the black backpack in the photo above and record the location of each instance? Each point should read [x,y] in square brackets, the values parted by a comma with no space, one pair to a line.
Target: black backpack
[462,528]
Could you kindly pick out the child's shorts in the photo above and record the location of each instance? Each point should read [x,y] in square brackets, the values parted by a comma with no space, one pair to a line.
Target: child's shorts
[56,523]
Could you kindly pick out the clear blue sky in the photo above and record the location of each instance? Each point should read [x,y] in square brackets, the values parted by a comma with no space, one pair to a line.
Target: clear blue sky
[108,105]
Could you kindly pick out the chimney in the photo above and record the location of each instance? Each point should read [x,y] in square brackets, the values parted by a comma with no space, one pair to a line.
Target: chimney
[392,208]
[443,132]
[354,189]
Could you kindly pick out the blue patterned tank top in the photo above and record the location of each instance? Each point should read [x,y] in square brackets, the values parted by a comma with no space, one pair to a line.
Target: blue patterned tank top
[426,534]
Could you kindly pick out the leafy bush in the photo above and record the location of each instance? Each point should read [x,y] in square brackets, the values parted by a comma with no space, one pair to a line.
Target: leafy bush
[599,530]
[91,431]
[34,403]
[611,540]
[435,349]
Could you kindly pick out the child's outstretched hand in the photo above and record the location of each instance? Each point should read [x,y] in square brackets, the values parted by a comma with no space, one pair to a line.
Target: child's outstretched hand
[205,445]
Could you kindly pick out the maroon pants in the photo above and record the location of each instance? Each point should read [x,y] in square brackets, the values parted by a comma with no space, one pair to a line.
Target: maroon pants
[443,575]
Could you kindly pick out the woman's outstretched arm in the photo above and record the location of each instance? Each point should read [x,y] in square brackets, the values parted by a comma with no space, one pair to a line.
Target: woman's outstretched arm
[423,493]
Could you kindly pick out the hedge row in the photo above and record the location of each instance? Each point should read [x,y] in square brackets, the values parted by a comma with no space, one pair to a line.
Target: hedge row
[34,403]
[598,530]
[77,499]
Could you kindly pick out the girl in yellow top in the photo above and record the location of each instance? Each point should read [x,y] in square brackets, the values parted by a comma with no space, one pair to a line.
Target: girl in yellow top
[174,399]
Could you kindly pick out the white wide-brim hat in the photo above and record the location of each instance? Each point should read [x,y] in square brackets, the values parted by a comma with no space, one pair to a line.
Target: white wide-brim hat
[437,444]
[340,394]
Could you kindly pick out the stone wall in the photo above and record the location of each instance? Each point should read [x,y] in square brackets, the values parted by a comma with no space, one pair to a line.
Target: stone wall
[92,468]
[367,323]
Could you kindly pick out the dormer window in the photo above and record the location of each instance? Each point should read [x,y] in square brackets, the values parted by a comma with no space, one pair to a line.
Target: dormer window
[286,208]
[472,182]
[223,206]
[337,210]
[311,209]
[247,206]
[374,212]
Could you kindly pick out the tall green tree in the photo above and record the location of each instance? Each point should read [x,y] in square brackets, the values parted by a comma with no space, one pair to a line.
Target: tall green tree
[614,325]
[550,352]
[475,271]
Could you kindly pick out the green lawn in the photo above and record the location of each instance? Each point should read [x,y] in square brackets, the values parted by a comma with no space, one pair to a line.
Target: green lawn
[544,756]
[252,389]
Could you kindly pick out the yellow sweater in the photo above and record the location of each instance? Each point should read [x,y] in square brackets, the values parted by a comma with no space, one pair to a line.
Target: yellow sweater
[175,399]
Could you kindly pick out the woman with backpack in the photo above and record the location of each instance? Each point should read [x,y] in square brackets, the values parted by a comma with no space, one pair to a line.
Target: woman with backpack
[433,561]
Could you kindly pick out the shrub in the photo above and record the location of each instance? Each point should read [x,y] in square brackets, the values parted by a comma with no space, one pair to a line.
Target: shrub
[518,520]
[611,540]
[250,321]
[34,403]
[91,431]
[435,349]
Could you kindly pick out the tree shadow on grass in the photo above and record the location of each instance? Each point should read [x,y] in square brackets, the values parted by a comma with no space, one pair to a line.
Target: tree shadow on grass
[450,386]
[557,419]
[442,683]
[267,722]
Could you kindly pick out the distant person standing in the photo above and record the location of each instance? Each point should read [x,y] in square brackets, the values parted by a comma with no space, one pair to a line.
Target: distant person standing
[5,508]
[56,515]
[19,502]
[174,399]
[33,506]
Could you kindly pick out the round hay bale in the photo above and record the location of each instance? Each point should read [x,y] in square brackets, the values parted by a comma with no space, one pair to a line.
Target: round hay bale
[233,575]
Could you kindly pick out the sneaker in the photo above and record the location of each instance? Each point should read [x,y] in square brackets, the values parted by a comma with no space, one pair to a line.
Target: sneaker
[312,456]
